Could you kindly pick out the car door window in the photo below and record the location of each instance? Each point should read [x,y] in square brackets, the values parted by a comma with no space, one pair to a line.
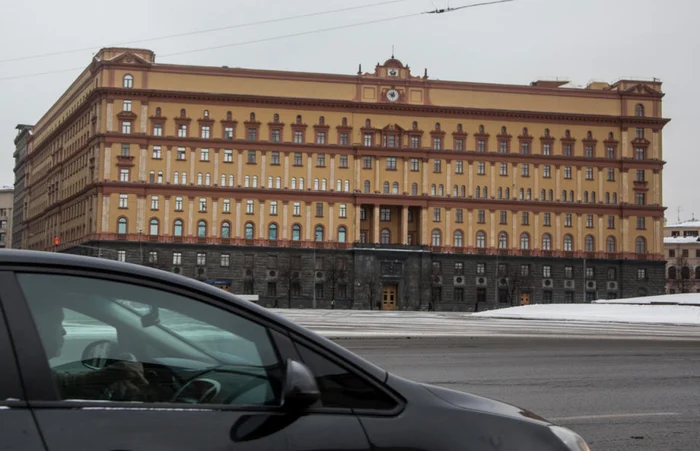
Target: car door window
[108,340]
[341,388]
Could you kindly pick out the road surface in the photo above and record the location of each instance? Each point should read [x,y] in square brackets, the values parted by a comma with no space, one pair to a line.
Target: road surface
[619,394]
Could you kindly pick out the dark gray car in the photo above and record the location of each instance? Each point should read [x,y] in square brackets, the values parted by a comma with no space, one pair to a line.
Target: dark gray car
[102,355]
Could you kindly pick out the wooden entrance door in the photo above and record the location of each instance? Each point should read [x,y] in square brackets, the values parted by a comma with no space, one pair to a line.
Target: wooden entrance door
[524,298]
[389,297]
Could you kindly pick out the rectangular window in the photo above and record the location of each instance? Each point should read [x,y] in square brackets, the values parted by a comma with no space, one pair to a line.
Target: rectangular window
[123,175]
[319,290]
[272,288]
[273,207]
[275,158]
[459,167]
[569,272]
[390,141]
[567,172]
[366,162]
[249,207]
[525,170]
[437,143]
[639,133]
[368,139]
[640,198]
[547,297]
[481,146]
[641,175]
[610,152]
[503,146]
[480,269]
[589,221]
[526,218]
[251,157]
[642,274]
[319,209]
[127,105]
[481,168]
[437,165]
[296,209]
[415,142]
[182,131]
[343,164]
[343,211]
[611,174]
[321,138]
[546,271]
[459,294]
[546,149]
[503,217]
[547,171]
[568,297]
[459,268]
[126,127]
[567,150]
[672,252]
[685,253]
[590,272]
[123,201]
[228,133]
[459,144]
[226,206]
[589,173]
[225,260]
[154,202]
[178,204]
[459,215]
[157,154]
[201,258]
[181,153]
[177,258]
[252,134]
[158,130]
[588,151]
[298,159]
[568,220]
[641,223]
[202,204]
[391,163]
[525,148]
[611,222]
[298,137]
[344,139]
[612,273]
[121,256]
[321,160]
[504,169]
[436,294]
[640,153]
[481,216]
[547,219]
[125,150]
[525,270]
[385,214]
[415,165]
[206,132]
[436,215]
[204,155]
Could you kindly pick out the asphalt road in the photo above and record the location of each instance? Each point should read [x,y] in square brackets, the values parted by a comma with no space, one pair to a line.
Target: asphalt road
[619,394]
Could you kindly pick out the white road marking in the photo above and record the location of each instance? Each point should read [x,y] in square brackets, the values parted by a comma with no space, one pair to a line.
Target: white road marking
[616,415]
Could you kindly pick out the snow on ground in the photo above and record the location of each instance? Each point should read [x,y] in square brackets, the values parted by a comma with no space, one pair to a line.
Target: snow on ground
[680,299]
[623,313]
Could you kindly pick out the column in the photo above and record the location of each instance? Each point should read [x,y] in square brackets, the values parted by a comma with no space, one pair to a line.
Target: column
[142,164]
[579,195]
[377,186]
[404,223]
[657,187]
[424,226]
[331,223]
[168,160]
[261,223]
[263,169]
[105,214]
[108,163]
[144,118]
[358,222]
[627,244]
[557,183]
[286,171]
[515,240]
[285,210]
[557,245]
[600,197]
[332,179]
[602,246]
[470,187]
[308,221]
[238,218]
[448,183]
[579,232]
[492,228]
[309,163]
[375,224]
[140,217]
[536,241]
[190,215]
[166,219]
[216,167]
[406,188]
[470,239]
[536,194]
[193,156]
[239,172]
[624,194]
[110,115]
[448,224]
[625,153]
[358,175]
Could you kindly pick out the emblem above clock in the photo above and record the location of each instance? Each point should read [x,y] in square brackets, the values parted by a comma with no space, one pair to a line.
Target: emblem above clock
[392,83]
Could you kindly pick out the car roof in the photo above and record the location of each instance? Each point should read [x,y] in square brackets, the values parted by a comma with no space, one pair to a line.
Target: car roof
[13,258]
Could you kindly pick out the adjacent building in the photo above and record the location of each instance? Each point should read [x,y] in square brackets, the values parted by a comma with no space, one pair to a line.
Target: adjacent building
[22,143]
[6,216]
[682,243]
[382,188]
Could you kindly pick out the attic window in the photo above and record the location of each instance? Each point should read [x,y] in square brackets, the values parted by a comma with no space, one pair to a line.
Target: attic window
[276,117]
[567,134]
[481,129]
[183,113]
[415,125]
[639,110]
[298,118]
[503,130]
[589,135]
[459,128]
[344,121]
[437,126]
[524,131]
[206,113]
[252,117]
[321,120]
[128,81]
[368,123]
[546,132]
[158,112]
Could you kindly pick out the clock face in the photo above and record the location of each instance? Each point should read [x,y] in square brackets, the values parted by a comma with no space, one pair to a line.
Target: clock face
[392,95]
[393,72]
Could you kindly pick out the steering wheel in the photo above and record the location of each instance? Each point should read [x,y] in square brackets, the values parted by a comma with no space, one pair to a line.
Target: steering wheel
[118,390]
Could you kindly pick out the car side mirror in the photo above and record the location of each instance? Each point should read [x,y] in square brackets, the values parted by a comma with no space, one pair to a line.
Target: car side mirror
[300,388]
[98,354]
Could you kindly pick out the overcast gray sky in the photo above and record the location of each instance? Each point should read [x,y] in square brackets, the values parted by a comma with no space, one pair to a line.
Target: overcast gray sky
[514,42]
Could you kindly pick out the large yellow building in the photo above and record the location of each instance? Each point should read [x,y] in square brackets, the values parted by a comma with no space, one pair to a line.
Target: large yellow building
[382,187]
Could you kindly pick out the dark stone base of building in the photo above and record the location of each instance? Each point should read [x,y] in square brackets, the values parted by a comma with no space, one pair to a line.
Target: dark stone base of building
[392,277]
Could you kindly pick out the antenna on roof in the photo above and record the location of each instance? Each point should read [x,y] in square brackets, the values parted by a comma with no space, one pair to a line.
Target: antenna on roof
[678,212]
[392,51]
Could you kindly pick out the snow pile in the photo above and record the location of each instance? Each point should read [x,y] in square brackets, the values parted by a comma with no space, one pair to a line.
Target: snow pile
[622,313]
[668,299]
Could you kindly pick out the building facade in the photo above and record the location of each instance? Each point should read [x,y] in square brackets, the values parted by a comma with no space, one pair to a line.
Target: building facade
[382,188]
[682,247]
[22,142]
[6,216]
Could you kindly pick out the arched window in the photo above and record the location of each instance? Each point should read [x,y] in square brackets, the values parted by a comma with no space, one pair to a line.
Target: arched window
[229,116]
[301,183]
[367,186]
[158,112]
[551,195]
[503,130]
[590,244]
[585,196]
[414,189]
[480,239]
[437,126]
[458,239]
[546,132]
[368,123]
[252,117]
[225,229]
[296,232]
[272,232]
[589,134]
[386,188]
[324,185]
[463,191]
[183,112]
[528,196]
[639,110]
[610,245]
[502,240]
[486,192]
[563,195]
[223,179]
[321,120]
[571,196]
[160,176]
[347,186]
[315,184]
[176,178]
[614,198]
[640,245]
[153,227]
[342,234]
[206,113]
[294,183]
[415,125]
[177,227]
[685,273]
[395,188]
[122,226]
[543,194]
[522,193]
[481,129]
[507,193]
[200,178]
[524,131]
[592,197]
[255,181]
[499,193]
[298,119]
[568,243]
[318,233]
[672,273]
[184,178]
[152,177]
[546,242]
[249,230]
[385,236]
[433,189]
[128,81]
[202,229]
[436,238]
[339,185]
[478,192]
[270,181]
[524,241]
[207,179]
[441,190]
[278,182]
[275,117]
[344,121]
[455,191]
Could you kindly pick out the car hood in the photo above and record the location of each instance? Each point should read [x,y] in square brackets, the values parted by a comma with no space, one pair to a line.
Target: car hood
[486,405]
